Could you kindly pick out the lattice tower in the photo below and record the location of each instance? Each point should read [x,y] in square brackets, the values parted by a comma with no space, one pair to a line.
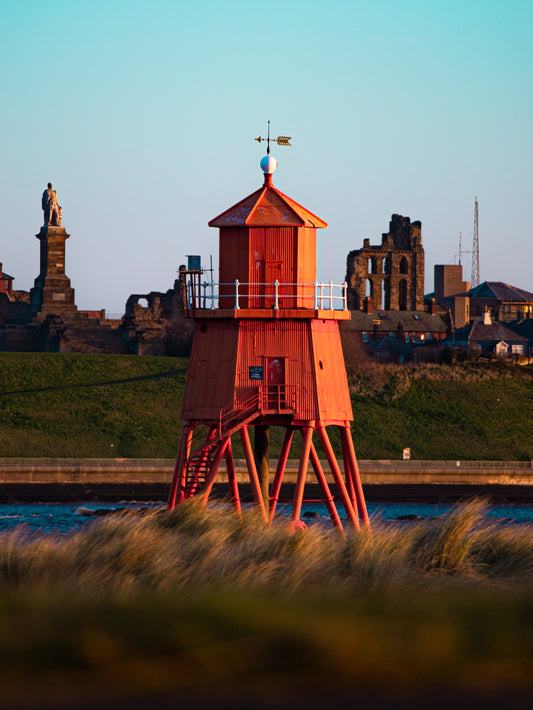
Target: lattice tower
[475,249]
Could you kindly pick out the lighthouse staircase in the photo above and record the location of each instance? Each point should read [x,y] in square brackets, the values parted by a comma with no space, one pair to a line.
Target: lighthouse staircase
[256,402]
[232,418]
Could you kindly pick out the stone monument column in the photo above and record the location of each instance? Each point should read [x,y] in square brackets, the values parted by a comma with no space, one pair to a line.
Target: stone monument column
[52,292]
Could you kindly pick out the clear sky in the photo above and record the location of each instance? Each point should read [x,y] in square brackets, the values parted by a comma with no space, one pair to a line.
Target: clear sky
[143,114]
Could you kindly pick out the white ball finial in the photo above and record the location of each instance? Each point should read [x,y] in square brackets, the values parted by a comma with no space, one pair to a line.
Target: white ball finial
[268,164]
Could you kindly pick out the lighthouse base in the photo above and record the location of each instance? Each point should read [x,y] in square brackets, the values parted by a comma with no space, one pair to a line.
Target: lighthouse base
[196,471]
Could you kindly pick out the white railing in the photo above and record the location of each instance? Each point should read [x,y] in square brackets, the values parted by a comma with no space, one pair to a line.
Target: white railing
[316,295]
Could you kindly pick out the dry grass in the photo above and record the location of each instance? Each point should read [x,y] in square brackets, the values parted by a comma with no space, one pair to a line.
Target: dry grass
[392,381]
[215,550]
[170,602]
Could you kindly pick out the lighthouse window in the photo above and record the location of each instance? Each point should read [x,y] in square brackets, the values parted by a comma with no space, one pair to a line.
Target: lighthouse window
[321,364]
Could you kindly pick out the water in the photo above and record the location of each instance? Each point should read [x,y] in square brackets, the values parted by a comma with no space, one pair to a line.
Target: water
[52,518]
[63,518]
[389,512]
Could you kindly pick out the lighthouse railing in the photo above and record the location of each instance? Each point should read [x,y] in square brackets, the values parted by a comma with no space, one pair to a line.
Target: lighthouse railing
[270,295]
[252,401]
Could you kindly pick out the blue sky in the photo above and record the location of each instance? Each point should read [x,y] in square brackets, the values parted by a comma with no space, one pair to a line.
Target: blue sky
[143,116]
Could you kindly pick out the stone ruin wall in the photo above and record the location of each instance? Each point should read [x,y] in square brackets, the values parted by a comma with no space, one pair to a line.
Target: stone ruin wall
[159,327]
[394,270]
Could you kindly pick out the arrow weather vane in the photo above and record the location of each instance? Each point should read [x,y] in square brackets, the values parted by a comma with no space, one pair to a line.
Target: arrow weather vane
[280,140]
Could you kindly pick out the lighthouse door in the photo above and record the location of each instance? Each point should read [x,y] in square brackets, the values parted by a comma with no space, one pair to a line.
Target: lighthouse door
[276,383]
[273,271]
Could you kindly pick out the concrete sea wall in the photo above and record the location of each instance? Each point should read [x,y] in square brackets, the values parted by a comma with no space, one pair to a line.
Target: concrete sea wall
[149,479]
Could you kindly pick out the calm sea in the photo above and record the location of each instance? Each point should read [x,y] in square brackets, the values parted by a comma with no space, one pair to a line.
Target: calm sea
[62,518]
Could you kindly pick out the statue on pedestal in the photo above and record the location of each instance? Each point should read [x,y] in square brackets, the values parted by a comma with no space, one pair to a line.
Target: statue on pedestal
[52,210]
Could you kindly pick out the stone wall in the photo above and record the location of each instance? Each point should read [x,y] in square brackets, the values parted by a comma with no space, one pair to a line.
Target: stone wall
[160,326]
[389,276]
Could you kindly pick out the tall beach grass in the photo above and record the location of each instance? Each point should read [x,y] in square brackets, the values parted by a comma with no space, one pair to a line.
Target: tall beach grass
[202,601]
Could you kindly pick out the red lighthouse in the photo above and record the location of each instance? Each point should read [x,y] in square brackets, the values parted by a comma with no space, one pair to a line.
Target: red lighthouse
[267,352]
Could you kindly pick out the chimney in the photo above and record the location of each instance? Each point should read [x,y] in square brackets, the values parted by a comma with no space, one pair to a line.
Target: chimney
[432,306]
[368,305]
[487,320]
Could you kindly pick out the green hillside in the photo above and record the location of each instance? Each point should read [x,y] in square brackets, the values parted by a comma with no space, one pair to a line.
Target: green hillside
[90,405]
[468,412]
[128,406]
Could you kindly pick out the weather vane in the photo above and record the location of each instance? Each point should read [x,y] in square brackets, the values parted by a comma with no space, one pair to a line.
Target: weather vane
[280,140]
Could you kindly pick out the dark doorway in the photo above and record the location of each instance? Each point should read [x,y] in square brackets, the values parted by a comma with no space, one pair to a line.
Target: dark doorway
[276,383]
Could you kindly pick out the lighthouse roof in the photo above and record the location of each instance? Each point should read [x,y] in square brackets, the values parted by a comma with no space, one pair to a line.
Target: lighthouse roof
[267,207]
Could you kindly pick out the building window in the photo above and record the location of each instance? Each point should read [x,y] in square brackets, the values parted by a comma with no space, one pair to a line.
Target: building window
[402,295]
[385,295]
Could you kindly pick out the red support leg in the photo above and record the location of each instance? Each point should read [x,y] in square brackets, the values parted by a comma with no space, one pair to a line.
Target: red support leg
[232,478]
[337,476]
[347,444]
[307,434]
[280,470]
[326,493]
[179,469]
[252,471]
[348,473]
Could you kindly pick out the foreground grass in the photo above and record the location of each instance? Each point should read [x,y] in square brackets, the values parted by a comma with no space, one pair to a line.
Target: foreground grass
[204,602]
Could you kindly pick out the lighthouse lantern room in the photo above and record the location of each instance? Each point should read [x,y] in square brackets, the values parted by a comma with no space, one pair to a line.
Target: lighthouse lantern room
[267,352]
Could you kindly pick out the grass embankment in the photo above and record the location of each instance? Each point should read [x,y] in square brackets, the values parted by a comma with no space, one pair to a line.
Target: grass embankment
[127,406]
[468,412]
[204,604]
[90,405]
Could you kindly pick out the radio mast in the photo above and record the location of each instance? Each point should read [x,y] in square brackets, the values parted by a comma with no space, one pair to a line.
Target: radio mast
[475,249]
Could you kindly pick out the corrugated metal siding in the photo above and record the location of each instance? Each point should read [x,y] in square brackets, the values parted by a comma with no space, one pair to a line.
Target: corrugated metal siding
[234,247]
[211,375]
[273,244]
[328,360]
[244,253]
[291,340]
[306,273]
[223,352]
[295,247]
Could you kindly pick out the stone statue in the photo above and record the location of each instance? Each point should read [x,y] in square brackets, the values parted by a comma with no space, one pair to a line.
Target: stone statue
[52,210]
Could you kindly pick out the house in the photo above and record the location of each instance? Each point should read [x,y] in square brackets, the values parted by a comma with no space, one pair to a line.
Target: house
[414,327]
[488,337]
[411,329]
[463,304]
[506,303]
[525,328]
[6,282]
[392,349]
